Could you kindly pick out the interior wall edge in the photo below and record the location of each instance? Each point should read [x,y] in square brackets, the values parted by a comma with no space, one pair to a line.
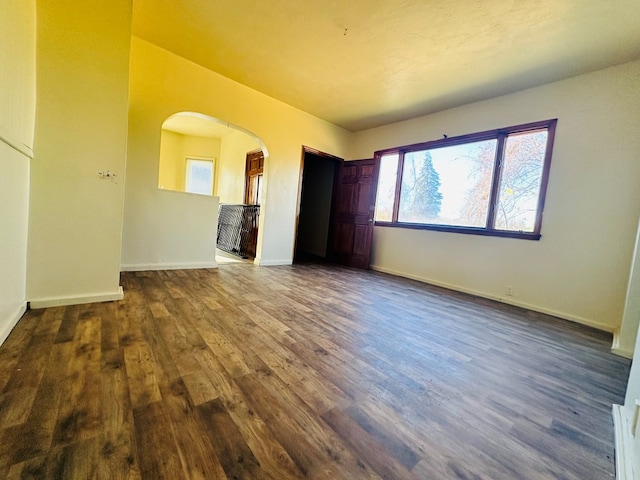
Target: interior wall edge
[624,448]
[16,144]
[12,321]
[617,346]
[536,308]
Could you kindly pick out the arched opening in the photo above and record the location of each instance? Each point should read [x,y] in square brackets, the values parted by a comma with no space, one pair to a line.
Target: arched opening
[200,154]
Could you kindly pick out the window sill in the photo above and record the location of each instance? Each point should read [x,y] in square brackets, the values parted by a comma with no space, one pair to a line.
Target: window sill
[463,230]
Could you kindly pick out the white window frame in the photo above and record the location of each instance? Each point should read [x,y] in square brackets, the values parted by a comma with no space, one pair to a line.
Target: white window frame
[189,183]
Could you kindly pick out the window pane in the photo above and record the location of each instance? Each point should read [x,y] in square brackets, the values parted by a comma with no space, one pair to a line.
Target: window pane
[199,177]
[386,187]
[448,185]
[520,181]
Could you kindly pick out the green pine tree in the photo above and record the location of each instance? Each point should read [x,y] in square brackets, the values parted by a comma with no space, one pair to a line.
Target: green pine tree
[428,196]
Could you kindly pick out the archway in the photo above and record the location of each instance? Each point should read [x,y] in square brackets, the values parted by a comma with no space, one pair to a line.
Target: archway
[200,154]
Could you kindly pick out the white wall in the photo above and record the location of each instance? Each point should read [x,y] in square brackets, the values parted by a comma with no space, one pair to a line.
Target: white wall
[633,395]
[628,344]
[81,128]
[162,84]
[580,267]
[14,215]
[628,441]
[625,337]
[17,112]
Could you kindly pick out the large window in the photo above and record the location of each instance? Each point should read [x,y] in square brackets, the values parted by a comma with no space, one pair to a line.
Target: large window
[488,183]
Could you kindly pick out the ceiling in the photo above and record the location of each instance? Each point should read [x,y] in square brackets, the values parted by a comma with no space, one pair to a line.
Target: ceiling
[187,123]
[365,63]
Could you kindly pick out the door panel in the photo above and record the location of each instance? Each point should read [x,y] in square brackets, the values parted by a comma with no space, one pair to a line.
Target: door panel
[360,246]
[345,238]
[353,216]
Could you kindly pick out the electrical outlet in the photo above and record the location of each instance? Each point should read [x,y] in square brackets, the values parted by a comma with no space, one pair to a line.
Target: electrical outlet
[509,291]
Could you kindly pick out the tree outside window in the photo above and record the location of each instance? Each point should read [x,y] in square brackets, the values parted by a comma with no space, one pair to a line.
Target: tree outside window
[490,183]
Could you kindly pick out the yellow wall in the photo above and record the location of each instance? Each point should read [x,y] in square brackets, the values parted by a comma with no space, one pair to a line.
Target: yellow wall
[580,267]
[81,128]
[18,73]
[162,84]
[229,184]
[174,151]
[170,161]
[17,112]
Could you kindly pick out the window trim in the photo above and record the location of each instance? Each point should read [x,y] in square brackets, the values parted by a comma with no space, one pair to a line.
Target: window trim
[193,161]
[499,134]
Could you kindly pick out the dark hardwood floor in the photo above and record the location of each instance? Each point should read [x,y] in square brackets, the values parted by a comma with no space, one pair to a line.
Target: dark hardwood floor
[305,371]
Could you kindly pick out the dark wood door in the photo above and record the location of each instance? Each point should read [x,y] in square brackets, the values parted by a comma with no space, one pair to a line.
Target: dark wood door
[252,193]
[253,177]
[354,209]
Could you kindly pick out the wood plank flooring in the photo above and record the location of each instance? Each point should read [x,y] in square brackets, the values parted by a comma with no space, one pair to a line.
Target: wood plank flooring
[305,371]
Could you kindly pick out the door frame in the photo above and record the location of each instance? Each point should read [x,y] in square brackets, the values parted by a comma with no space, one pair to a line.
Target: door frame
[330,254]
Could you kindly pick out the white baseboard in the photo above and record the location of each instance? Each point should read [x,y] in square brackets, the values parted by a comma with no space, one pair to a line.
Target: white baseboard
[508,300]
[12,321]
[623,439]
[62,301]
[272,263]
[142,267]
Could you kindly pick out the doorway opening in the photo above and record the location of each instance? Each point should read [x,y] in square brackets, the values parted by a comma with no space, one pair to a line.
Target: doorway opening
[319,177]
[335,209]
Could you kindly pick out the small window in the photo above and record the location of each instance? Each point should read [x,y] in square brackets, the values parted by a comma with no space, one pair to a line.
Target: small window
[489,183]
[199,177]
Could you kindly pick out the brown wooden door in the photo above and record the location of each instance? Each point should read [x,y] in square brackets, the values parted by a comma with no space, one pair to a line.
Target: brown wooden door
[253,177]
[252,192]
[354,209]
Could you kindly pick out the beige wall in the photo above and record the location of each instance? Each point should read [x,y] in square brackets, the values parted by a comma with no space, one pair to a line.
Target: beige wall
[17,112]
[580,267]
[175,148]
[163,84]
[229,184]
[171,151]
[81,128]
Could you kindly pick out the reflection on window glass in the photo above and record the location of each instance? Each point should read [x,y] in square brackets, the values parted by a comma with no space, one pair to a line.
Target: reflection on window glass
[520,181]
[448,185]
[386,187]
